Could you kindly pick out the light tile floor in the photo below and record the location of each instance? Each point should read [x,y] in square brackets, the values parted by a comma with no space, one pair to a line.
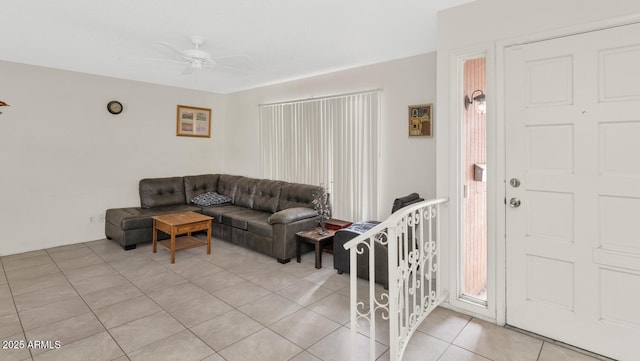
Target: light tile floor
[98,302]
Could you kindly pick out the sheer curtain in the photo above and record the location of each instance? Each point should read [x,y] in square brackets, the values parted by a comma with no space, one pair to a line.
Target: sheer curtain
[331,141]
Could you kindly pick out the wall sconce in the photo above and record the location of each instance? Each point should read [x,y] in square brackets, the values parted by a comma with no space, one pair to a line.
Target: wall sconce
[481,103]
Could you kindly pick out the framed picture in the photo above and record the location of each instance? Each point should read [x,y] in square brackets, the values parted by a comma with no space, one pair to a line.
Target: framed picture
[421,120]
[193,122]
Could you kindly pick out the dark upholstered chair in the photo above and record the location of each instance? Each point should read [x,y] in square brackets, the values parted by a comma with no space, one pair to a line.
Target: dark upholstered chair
[341,256]
[402,202]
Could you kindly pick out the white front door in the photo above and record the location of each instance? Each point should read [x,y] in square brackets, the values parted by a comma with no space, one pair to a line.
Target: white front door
[573,143]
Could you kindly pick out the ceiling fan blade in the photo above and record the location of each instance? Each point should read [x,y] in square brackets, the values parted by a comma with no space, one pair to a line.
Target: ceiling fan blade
[164,60]
[209,63]
[229,68]
[172,48]
[230,57]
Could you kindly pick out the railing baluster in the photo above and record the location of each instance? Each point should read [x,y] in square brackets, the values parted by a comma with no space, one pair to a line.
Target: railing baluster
[423,259]
[394,325]
[436,253]
[372,297]
[412,238]
[353,282]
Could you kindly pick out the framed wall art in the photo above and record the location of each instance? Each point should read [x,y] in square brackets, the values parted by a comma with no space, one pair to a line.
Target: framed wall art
[193,122]
[421,120]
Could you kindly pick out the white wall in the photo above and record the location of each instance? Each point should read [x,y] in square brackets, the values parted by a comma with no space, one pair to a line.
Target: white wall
[64,158]
[406,164]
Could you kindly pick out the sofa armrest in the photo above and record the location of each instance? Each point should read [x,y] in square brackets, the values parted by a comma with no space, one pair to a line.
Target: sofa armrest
[291,215]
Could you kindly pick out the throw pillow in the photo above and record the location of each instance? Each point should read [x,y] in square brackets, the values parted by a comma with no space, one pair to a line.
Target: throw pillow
[210,199]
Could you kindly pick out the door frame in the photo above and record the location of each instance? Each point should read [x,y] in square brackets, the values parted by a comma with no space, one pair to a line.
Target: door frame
[499,117]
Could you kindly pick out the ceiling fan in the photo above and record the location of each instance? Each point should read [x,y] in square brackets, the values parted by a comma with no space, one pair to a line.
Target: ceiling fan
[195,58]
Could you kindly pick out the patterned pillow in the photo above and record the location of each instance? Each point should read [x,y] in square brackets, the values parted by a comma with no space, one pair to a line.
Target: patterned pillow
[210,199]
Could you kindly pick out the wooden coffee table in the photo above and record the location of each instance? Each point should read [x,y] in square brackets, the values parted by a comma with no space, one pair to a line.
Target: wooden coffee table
[320,241]
[175,224]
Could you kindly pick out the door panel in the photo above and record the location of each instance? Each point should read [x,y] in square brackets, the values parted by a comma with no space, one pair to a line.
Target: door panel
[573,140]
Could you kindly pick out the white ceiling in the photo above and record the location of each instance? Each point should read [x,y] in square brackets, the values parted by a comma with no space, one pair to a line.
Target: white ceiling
[284,39]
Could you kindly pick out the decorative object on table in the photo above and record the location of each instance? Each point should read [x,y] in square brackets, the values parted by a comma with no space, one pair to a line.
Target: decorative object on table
[193,122]
[3,104]
[115,107]
[336,224]
[322,207]
[421,120]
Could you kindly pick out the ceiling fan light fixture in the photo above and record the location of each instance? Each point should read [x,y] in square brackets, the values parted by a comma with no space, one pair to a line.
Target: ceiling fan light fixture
[196,54]
[196,58]
[197,40]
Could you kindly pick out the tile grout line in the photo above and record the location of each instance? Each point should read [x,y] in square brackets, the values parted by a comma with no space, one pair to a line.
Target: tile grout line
[233,308]
[15,307]
[458,335]
[103,257]
[540,351]
[85,302]
[249,316]
[559,343]
[156,303]
[162,309]
[274,292]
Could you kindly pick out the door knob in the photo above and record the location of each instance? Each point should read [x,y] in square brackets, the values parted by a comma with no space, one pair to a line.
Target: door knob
[514,202]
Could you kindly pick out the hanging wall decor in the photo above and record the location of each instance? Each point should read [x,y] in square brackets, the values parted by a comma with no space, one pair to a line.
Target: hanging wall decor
[421,120]
[193,122]
[3,104]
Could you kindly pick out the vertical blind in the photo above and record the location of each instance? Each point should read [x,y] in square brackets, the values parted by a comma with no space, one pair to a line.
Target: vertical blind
[330,141]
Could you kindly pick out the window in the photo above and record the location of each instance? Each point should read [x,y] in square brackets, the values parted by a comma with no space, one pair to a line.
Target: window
[473,255]
[331,141]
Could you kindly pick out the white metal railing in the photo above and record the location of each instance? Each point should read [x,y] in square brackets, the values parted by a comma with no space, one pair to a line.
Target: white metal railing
[411,237]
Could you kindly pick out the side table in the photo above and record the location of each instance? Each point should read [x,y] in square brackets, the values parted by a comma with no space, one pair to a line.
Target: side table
[316,239]
[335,224]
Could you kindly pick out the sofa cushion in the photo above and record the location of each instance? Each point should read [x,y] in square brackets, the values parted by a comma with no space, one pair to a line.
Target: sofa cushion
[198,184]
[158,192]
[297,195]
[210,199]
[241,219]
[267,195]
[260,226]
[218,212]
[245,190]
[135,217]
[227,185]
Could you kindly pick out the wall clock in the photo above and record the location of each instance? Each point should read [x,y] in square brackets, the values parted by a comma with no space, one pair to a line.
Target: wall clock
[114,107]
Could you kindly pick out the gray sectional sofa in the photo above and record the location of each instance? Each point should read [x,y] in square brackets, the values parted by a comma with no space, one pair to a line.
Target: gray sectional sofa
[263,215]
